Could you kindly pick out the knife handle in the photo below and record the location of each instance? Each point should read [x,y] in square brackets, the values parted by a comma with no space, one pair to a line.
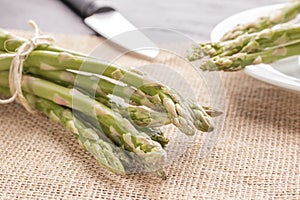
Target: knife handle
[86,8]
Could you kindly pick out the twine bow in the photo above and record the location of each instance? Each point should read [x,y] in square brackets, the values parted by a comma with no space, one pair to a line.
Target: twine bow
[16,67]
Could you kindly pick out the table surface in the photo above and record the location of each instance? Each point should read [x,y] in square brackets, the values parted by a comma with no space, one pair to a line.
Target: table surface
[194,18]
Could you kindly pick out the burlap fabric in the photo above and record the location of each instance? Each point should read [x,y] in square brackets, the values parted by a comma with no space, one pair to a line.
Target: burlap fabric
[257,156]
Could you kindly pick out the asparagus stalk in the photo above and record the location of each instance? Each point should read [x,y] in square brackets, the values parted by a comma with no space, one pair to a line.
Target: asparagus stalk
[249,43]
[240,60]
[281,15]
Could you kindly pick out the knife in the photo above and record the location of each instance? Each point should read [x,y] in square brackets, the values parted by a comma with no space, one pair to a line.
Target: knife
[109,23]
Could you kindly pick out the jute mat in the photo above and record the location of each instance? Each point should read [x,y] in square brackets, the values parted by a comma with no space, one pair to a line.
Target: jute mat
[257,156]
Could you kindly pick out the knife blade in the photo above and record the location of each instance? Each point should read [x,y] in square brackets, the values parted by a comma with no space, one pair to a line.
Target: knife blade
[109,23]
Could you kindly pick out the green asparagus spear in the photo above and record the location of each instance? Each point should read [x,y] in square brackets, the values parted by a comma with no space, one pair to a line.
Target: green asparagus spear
[240,60]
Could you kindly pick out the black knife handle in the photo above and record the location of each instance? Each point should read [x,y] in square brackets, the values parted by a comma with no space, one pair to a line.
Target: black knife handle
[86,8]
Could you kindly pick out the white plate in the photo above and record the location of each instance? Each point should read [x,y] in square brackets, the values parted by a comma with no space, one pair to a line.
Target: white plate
[284,73]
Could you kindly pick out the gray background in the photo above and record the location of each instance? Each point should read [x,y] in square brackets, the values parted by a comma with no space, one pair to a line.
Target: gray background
[195,18]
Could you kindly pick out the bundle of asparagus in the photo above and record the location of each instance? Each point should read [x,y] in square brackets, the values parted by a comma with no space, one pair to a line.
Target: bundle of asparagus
[266,40]
[124,134]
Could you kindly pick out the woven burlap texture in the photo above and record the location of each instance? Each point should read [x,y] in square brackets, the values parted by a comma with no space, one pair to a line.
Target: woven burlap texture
[257,156]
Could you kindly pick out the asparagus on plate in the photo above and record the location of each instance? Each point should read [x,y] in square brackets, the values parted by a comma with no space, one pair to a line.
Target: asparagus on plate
[279,16]
[264,45]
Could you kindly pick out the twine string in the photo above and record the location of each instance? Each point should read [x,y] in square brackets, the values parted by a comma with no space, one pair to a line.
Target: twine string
[16,67]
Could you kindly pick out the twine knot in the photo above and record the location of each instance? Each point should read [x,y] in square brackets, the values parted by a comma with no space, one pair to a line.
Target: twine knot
[16,67]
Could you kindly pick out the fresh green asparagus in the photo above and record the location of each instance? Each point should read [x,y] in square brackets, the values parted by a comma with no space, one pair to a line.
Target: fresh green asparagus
[94,141]
[161,95]
[263,44]
[115,113]
[240,60]
[249,43]
[117,128]
[279,16]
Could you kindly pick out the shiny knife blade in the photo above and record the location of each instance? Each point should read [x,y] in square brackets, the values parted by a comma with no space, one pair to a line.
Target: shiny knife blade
[109,23]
